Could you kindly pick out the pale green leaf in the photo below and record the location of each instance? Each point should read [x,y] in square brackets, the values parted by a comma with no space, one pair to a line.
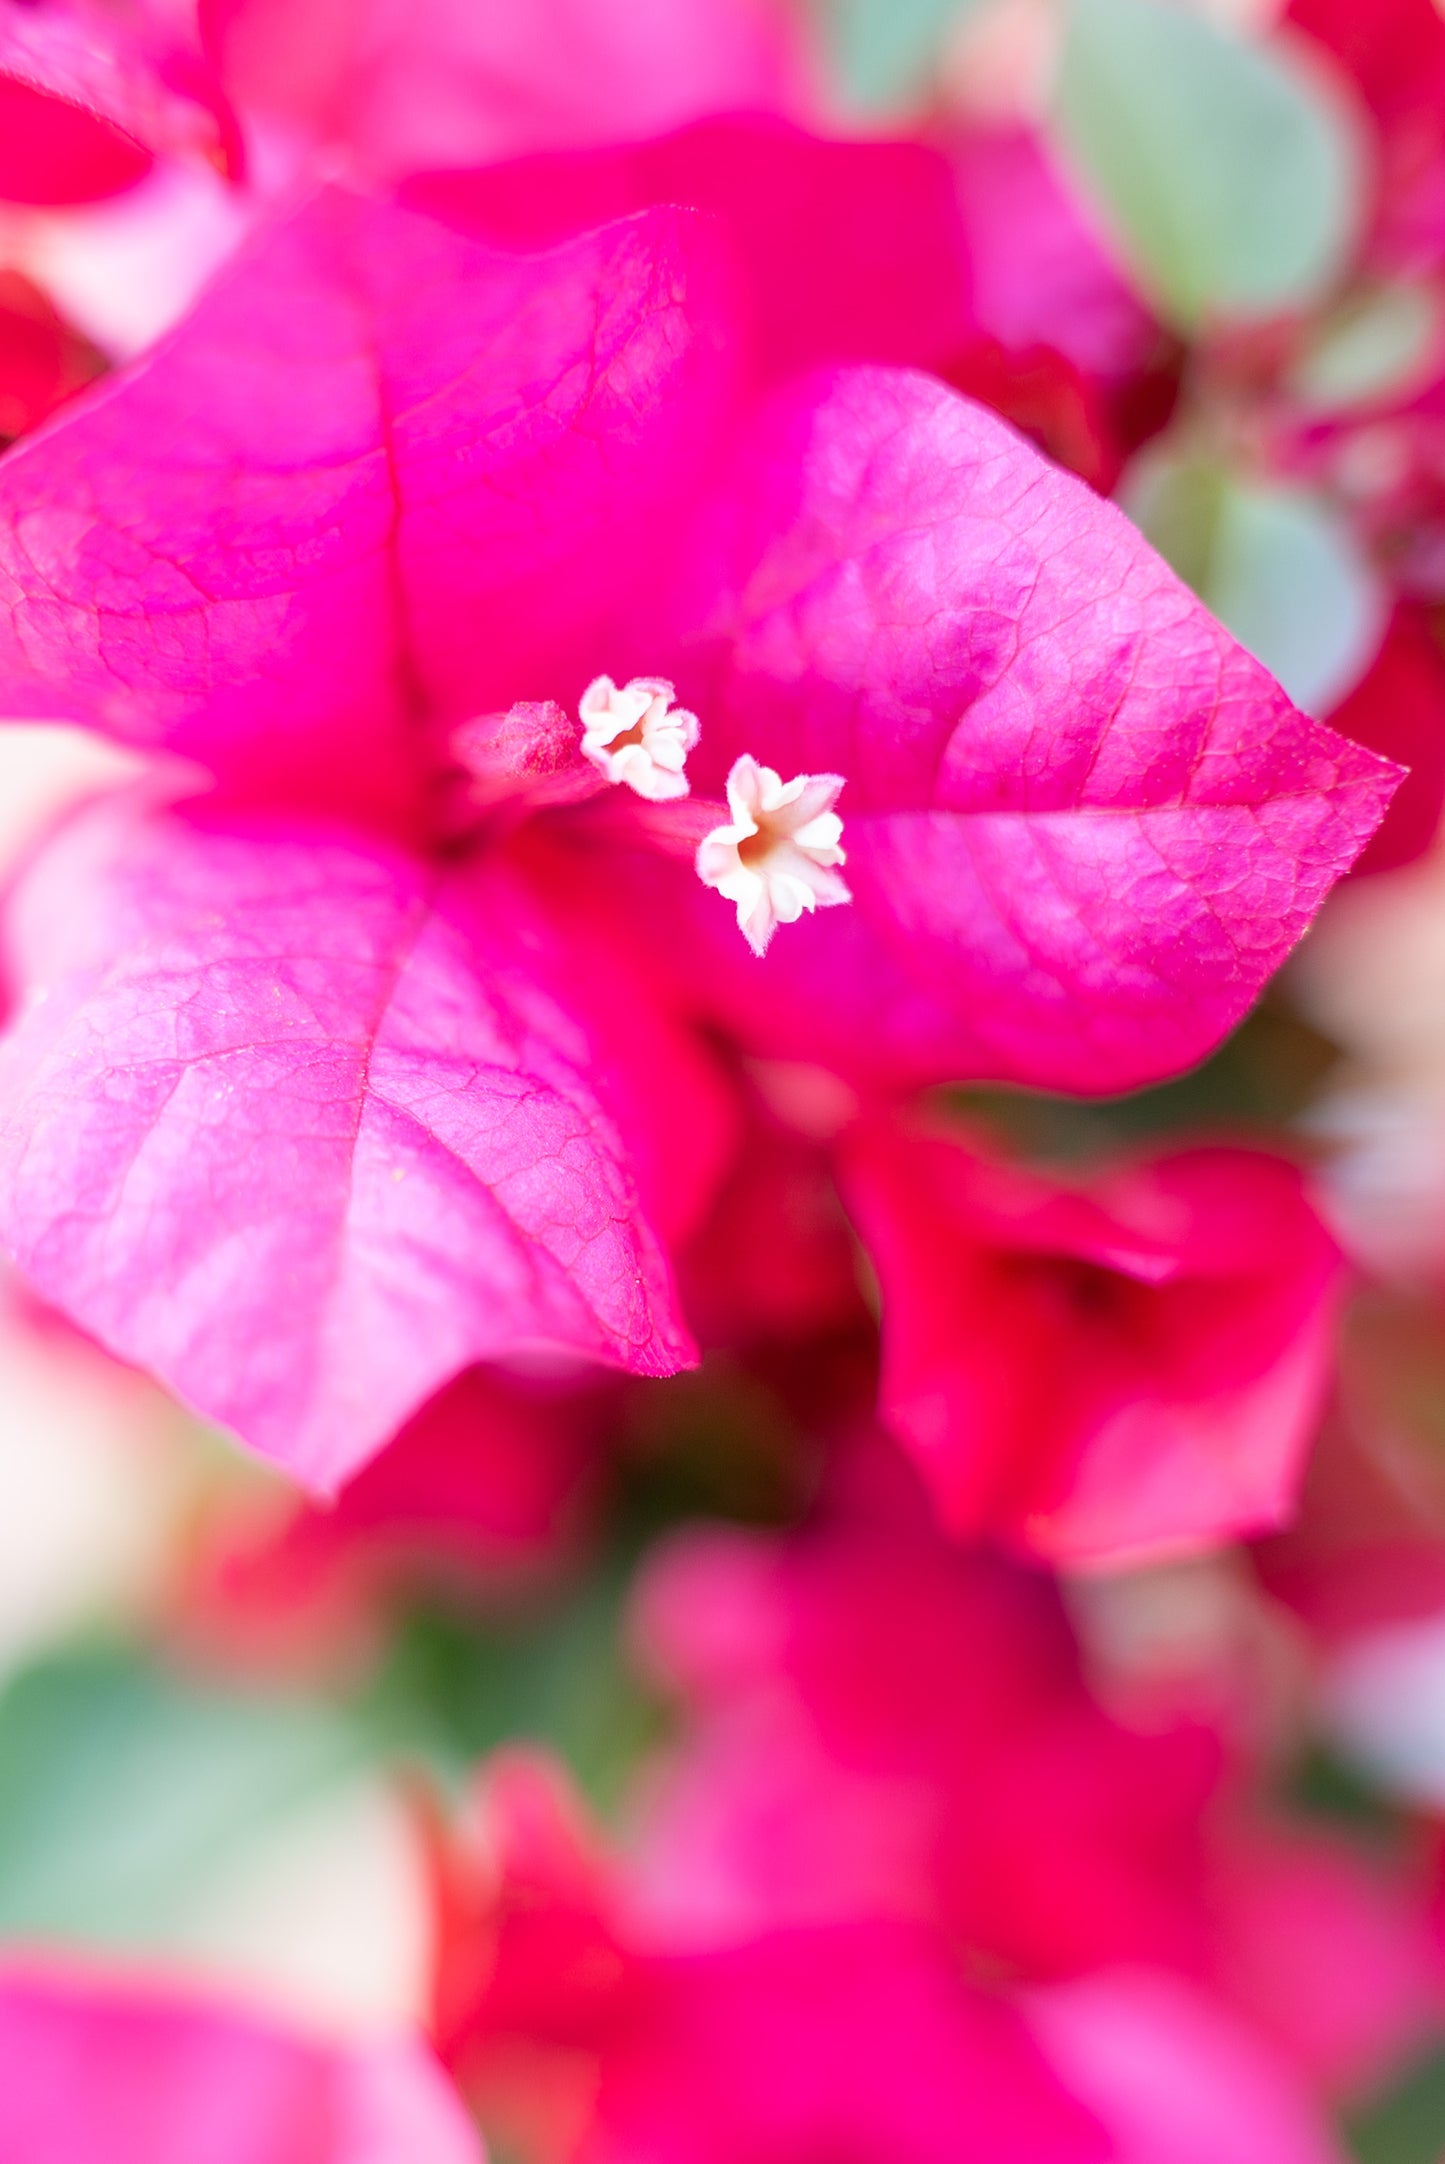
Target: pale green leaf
[1229,180]
[886,52]
[125,1793]
[1276,565]
[1381,344]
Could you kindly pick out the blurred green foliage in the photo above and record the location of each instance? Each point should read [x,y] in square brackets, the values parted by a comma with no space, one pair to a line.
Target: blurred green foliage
[884,52]
[1228,180]
[1406,2124]
[1274,562]
[124,1790]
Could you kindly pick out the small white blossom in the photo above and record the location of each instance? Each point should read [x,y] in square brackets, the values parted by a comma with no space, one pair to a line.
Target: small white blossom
[634,734]
[778,856]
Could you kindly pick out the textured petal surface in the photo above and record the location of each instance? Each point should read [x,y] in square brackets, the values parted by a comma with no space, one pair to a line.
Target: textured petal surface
[305,1128]
[1083,826]
[1106,1374]
[92,2069]
[361,486]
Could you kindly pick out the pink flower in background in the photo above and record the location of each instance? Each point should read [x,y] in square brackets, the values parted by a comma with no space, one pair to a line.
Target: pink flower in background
[139,2073]
[876,1728]
[586,2031]
[1100,1371]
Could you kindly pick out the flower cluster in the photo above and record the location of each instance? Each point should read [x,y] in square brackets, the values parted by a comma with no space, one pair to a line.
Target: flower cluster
[719,1422]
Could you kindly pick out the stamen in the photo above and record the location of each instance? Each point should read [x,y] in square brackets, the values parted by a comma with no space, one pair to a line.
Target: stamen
[778,856]
[634,734]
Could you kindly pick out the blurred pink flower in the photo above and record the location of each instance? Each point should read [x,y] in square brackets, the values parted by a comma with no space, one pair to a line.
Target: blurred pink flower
[1097,1371]
[874,1727]
[587,2035]
[137,2072]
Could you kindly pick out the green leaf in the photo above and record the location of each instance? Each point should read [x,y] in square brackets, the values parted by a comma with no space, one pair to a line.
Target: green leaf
[459,1686]
[1380,345]
[124,1792]
[1405,2125]
[1227,178]
[885,52]
[1277,566]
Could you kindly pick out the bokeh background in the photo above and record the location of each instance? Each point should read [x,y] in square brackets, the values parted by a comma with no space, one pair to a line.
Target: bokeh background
[574,1632]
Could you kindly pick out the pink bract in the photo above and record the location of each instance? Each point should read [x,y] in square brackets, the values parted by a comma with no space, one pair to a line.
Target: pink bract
[1098,1372]
[327,1124]
[1083,826]
[350,493]
[97,2067]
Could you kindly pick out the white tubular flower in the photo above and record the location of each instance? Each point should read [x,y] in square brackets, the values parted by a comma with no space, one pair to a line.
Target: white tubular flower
[634,734]
[779,855]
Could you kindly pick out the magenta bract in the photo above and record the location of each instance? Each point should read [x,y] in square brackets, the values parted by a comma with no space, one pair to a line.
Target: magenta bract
[99,2067]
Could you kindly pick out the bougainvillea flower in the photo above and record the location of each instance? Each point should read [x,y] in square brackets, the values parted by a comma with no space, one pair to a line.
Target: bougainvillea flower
[879,1726]
[843,250]
[992,1797]
[586,2037]
[582,2039]
[1018,835]
[90,93]
[138,2074]
[370,491]
[447,83]
[1098,1372]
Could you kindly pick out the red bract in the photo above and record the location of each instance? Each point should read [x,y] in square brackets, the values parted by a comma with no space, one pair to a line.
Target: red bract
[385,482]
[91,90]
[42,360]
[1399,709]
[1393,52]
[587,2041]
[591,2035]
[98,2067]
[1096,1372]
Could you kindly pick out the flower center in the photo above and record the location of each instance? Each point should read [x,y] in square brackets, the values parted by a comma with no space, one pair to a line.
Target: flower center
[781,852]
[634,735]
